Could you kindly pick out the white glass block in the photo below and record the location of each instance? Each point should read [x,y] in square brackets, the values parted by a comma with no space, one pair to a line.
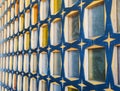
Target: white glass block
[34,38]
[25,83]
[21,42]
[72,64]
[14,83]
[11,45]
[15,63]
[44,7]
[16,26]
[33,63]
[26,63]
[12,11]
[11,63]
[3,77]
[15,44]
[118,15]
[20,63]
[56,31]
[19,83]
[12,28]
[27,3]
[72,26]
[43,63]
[8,46]
[69,3]
[118,62]
[6,78]
[7,62]
[33,84]
[55,64]
[21,3]
[55,87]
[27,18]
[10,80]
[21,23]
[8,31]
[43,85]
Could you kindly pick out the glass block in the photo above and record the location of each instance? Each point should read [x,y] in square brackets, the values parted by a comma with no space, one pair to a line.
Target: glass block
[7,62]
[118,64]
[11,45]
[43,63]
[25,83]
[11,63]
[43,35]
[19,83]
[43,85]
[72,26]
[71,88]
[20,63]
[21,42]
[55,64]
[17,7]
[12,28]
[44,7]
[15,63]
[14,83]
[8,3]
[56,31]
[27,18]
[33,84]
[95,20]
[96,64]
[27,3]
[34,38]
[21,23]
[6,78]
[33,63]
[26,63]
[55,6]
[34,15]
[21,5]
[72,64]
[10,80]
[16,26]
[15,44]
[118,14]
[12,11]
[55,87]
[69,3]
[27,40]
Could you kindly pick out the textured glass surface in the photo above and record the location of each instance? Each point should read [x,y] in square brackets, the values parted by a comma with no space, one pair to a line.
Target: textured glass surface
[73,64]
[96,64]
[96,21]
[118,16]
[56,30]
[44,7]
[27,18]
[26,63]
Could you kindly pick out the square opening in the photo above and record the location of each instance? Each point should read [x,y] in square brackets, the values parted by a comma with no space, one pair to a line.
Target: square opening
[21,23]
[34,38]
[72,64]
[56,31]
[27,40]
[72,26]
[43,39]
[43,85]
[55,6]
[94,19]
[44,7]
[34,16]
[55,63]
[43,63]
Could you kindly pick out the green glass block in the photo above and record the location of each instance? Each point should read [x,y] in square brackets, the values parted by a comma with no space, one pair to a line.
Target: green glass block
[96,21]
[73,64]
[96,64]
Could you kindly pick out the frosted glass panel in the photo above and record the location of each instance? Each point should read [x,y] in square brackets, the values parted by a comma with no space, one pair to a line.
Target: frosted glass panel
[96,64]
[118,16]
[96,21]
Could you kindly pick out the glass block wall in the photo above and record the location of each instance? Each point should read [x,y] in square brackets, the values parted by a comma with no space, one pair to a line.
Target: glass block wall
[59,45]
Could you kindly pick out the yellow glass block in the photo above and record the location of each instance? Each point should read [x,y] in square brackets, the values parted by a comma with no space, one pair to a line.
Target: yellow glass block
[12,12]
[27,3]
[6,78]
[21,5]
[25,83]
[27,18]
[34,14]
[14,82]
[16,8]
[10,63]
[27,41]
[8,16]
[20,60]
[21,23]
[8,3]
[44,35]
[15,44]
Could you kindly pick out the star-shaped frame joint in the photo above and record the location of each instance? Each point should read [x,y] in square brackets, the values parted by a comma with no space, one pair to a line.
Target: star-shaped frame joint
[81,4]
[82,43]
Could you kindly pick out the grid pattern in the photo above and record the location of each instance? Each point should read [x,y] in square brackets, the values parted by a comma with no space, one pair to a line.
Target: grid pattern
[34,57]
